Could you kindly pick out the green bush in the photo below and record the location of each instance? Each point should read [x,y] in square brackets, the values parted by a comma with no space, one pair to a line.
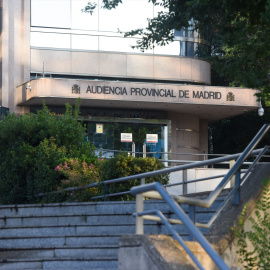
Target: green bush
[123,165]
[79,173]
[258,255]
[31,146]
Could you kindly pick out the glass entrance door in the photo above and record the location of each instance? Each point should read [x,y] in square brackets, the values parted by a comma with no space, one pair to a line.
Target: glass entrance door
[107,136]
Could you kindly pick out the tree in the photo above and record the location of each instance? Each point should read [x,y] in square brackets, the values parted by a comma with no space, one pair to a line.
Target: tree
[238,33]
[238,131]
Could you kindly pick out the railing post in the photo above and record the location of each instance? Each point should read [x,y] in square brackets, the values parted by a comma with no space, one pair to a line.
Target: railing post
[232,181]
[236,199]
[106,192]
[133,149]
[184,180]
[142,181]
[191,214]
[139,208]
[144,150]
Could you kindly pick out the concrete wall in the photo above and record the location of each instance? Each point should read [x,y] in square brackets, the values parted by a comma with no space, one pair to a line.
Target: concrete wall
[221,233]
[192,174]
[109,64]
[159,252]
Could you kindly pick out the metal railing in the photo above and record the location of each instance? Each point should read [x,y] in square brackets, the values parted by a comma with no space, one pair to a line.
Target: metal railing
[184,167]
[156,191]
[177,209]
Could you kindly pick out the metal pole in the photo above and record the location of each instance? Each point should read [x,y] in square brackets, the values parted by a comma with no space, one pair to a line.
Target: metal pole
[237,184]
[232,181]
[133,149]
[144,150]
[184,182]
[191,214]
[139,208]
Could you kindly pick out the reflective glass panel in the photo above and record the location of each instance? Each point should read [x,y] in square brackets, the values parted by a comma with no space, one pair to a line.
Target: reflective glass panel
[50,40]
[51,13]
[84,42]
[110,138]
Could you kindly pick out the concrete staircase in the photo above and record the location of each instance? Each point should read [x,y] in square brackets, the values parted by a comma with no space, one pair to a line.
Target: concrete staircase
[72,236]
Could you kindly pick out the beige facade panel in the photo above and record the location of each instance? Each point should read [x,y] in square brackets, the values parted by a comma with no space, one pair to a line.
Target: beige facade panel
[109,64]
[53,61]
[170,68]
[84,63]
[141,66]
[186,68]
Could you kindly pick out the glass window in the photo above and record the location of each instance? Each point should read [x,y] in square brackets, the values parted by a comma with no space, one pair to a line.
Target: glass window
[180,33]
[110,139]
[129,15]
[190,49]
[50,40]
[81,20]
[51,13]
[117,44]
[170,49]
[182,48]
[84,42]
[99,31]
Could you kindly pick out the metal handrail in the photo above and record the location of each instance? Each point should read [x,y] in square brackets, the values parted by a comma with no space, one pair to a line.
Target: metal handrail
[173,201]
[155,190]
[167,222]
[241,158]
[159,172]
[167,185]
[165,153]
[180,213]
[172,169]
[179,199]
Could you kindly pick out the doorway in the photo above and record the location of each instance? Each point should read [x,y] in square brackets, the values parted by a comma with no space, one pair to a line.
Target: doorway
[106,136]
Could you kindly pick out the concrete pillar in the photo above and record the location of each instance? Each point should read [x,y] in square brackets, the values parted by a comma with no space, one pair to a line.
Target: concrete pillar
[15,51]
[189,134]
[185,135]
[204,138]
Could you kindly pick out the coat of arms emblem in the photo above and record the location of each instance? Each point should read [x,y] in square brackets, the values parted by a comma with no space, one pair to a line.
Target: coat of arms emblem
[230,96]
[75,89]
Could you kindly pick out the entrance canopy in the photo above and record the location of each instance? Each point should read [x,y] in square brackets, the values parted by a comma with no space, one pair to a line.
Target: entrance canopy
[208,102]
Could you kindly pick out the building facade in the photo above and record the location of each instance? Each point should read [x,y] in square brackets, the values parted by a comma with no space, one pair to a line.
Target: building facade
[47,56]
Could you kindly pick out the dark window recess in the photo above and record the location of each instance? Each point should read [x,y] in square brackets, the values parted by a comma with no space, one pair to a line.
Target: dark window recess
[97,112]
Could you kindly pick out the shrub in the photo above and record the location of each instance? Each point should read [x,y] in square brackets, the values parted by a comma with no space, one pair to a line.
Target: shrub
[258,255]
[31,146]
[79,174]
[123,165]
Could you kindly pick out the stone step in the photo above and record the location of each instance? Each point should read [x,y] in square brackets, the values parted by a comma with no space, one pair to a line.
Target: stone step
[30,222]
[66,241]
[85,209]
[89,253]
[58,264]
[84,231]
[67,231]
[75,236]
[66,221]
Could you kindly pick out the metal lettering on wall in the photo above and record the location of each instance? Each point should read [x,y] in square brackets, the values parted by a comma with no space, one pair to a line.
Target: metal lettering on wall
[152,92]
